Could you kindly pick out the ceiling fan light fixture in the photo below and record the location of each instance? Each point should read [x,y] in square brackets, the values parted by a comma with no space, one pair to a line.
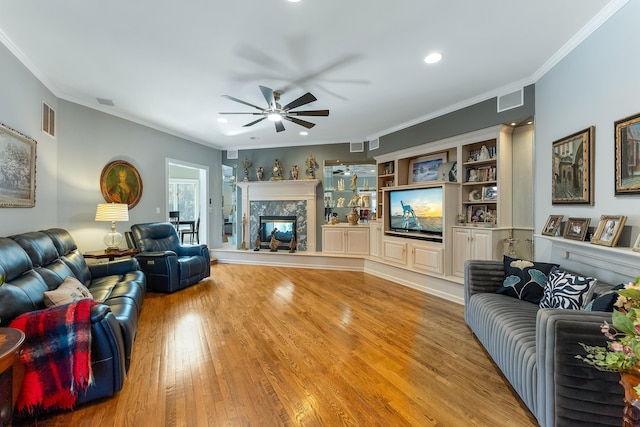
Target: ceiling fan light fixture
[304,133]
[274,116]
[432,58]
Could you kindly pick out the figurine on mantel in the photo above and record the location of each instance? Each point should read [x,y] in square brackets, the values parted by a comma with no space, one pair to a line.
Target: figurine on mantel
[294,172]
[274,243]
[257,242]
[292,244]
[311,166]
[260,173]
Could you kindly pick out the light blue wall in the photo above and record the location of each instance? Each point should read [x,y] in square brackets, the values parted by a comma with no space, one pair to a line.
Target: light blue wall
[69,166]
[595,85]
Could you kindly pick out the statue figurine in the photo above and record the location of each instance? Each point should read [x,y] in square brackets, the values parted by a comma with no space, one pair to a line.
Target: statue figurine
[257,242]
[354,178]
[260,173]
[354,200]
[274,243]
[294,172]
[246,164]
[292,244]
[311,166]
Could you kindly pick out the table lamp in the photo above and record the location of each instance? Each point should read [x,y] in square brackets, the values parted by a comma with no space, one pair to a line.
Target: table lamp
[112,212]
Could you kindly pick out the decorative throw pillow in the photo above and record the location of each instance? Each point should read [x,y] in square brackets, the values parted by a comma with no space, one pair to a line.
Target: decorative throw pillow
[605,301]
[567,290]
[70,290]
[524,279]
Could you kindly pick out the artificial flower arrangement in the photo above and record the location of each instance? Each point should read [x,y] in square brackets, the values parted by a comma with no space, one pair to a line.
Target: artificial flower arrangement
[623,349]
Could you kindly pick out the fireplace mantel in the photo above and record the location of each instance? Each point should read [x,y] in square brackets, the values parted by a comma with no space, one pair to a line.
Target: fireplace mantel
[282,190]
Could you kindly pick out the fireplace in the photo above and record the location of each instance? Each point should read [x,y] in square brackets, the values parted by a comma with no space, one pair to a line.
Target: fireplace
[282,227]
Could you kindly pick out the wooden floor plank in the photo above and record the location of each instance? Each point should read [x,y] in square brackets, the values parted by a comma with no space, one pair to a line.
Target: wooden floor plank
[273,346]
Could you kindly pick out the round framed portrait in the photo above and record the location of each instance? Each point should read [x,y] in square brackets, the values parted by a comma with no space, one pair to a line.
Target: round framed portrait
[120,183]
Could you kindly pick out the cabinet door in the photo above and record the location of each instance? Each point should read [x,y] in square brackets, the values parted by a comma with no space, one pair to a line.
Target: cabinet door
[482,244]
[357,241]
[461,250]
[426,259]
[394,251]
[333,240]
[375,237]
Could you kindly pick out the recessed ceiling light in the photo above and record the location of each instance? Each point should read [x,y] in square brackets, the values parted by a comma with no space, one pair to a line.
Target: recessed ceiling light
[222,120]
[304,133]
[432,58]
[513,123]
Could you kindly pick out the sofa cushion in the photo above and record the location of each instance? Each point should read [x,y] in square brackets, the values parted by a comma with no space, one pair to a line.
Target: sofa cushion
[605,301]
[524,279]
[567,290]
[69,291]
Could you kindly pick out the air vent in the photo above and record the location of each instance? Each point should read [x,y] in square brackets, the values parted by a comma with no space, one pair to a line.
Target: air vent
[48,120]
[232,154]
[103,101]
[356,147]
[511,100]
[374,144]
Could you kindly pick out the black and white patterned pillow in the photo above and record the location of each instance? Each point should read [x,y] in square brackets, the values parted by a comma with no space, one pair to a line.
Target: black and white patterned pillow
[567,290]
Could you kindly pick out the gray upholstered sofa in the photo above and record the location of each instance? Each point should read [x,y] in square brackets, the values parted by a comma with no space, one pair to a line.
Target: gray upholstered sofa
[535,350]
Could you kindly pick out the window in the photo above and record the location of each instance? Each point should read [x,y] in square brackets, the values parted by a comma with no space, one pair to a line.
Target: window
[184,197]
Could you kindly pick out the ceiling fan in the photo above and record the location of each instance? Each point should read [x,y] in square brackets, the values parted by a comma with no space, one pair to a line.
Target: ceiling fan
[276,113]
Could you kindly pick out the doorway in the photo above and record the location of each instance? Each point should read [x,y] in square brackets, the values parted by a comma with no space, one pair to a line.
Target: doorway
[187,189]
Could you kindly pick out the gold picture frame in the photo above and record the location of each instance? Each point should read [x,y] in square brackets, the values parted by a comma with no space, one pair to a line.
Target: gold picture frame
[120,183]
[609,230]
[552,225]
[576,228]
[572,169]
[627,137]
[18,166]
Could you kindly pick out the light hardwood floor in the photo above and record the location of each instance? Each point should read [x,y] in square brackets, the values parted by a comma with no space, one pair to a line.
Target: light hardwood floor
[269,346]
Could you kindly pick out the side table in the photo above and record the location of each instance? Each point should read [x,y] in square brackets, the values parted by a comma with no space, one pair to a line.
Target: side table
[111,255]
[11,372]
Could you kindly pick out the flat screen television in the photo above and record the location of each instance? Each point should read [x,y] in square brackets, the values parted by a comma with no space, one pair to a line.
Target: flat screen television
[416,210]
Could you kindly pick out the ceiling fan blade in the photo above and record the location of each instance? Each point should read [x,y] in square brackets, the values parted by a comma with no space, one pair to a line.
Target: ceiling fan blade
[304,99]
[254,122]
[279,126]
[255,114]
[304,123]
[309,113]
[268,96]
[242,102]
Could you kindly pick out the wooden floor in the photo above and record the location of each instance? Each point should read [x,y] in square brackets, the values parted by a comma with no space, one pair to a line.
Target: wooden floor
[269,346]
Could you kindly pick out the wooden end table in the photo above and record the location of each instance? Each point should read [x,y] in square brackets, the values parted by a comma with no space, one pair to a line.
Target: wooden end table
[11,372]
[111,255]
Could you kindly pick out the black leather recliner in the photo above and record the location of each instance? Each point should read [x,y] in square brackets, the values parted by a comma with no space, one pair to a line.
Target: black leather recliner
[168,265]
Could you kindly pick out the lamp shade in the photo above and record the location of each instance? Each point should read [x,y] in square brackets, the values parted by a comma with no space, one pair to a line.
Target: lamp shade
[112,212]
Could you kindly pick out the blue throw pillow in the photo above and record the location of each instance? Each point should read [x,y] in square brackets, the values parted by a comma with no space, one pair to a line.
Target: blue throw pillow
[524,279]
[605,301]
[567,290]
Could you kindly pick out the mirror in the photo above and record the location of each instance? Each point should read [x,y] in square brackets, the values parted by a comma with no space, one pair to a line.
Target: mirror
[229,205]
[349,185]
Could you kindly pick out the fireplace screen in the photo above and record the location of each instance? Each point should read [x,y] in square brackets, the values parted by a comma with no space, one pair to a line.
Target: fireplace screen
[282,227]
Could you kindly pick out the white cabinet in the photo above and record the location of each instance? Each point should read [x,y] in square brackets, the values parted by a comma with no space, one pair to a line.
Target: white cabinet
[476,243]
[346,239]
[415,255]
[375,239]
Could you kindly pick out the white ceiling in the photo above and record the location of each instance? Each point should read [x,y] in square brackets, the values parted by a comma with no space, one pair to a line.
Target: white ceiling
[167,63]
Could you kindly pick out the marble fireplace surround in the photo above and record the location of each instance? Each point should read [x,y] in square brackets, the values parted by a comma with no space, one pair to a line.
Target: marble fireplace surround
[285,197]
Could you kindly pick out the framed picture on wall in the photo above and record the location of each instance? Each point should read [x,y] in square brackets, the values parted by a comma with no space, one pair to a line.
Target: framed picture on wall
[627,137]
[572,168]
[18,169]
[425,168]
[120,183]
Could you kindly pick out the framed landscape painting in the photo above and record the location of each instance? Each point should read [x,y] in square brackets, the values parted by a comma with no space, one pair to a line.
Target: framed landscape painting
[17,169]
[627,137]
[572,168]
[425,169]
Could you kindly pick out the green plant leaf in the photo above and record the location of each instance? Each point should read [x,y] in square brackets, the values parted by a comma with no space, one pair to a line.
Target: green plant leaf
[623,323]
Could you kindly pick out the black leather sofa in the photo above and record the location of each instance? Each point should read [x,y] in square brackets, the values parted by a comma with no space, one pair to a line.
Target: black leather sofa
[168,265]
[35,262]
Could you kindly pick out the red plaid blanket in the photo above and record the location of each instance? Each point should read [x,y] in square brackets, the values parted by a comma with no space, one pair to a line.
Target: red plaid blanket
[56,355]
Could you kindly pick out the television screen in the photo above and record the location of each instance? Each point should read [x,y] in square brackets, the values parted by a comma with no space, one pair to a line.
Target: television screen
[416,210]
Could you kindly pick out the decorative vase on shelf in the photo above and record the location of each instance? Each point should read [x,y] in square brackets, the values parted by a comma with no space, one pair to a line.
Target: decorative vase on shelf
[631,413]
[352,217]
